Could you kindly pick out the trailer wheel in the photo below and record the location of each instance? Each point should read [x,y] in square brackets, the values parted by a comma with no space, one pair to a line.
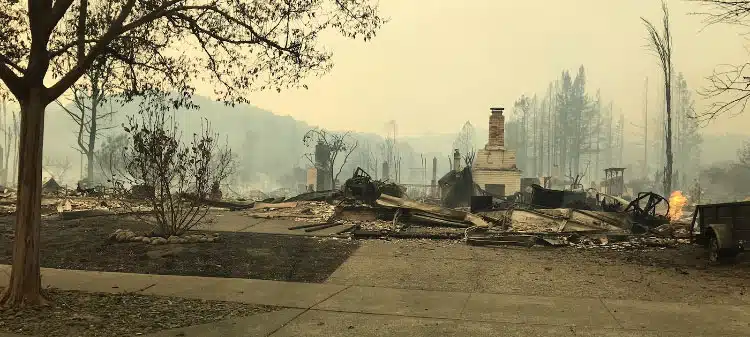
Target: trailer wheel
[718,255]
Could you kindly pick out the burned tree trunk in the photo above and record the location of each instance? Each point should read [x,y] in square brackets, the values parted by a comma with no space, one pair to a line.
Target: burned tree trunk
[670,157]
[25,285]
[92,136]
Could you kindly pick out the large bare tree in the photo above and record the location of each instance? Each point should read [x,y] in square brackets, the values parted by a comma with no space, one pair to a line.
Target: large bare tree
[89,97]
[237,46]
[661,45]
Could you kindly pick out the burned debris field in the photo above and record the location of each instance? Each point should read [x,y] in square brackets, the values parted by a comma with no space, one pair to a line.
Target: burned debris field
[244,168]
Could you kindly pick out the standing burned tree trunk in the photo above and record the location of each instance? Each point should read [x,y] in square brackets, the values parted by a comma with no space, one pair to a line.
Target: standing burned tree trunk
[661,44]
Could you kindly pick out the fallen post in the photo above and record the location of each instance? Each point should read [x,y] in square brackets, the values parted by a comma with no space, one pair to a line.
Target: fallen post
[324,226]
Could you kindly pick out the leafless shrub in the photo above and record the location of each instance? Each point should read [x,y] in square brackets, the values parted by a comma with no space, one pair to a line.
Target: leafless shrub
[180,175]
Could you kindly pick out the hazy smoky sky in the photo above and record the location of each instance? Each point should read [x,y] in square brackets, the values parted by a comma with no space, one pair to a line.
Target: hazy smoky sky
[439,63]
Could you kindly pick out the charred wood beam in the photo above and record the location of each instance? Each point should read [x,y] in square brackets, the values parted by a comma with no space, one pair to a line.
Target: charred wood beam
[315,229]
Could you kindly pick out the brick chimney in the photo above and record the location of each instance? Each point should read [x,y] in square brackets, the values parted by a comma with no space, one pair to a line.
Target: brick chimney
[497,128]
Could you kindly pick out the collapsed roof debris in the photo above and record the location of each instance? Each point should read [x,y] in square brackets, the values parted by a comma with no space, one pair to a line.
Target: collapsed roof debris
[364,208]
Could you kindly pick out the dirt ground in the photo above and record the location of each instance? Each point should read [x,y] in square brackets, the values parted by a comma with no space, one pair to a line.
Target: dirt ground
[73,313]
[82,244]
[679,274]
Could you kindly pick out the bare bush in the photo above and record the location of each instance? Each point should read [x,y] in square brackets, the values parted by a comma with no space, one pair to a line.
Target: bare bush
[179,175]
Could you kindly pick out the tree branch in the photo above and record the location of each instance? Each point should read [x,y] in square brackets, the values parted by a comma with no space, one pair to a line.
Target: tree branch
[346,158]
[80,68]
[58,11]
[11,80]
[9,62]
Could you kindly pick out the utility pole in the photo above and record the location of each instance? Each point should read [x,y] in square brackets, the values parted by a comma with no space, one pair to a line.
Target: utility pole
[621,162]
[610,140]
[598,141]
[645,131]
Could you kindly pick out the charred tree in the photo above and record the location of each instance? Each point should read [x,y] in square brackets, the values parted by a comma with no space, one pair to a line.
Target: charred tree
[661,44]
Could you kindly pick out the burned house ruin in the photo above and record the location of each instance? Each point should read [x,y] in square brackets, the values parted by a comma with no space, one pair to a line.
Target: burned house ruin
[494,168]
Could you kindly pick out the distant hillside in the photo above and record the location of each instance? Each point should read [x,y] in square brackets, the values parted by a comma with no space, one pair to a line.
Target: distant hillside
[269,146]
[266,144]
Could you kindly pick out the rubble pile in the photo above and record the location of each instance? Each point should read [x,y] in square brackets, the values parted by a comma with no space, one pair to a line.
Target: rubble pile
[364,210]
[677,229]
[623,244]
[309,211]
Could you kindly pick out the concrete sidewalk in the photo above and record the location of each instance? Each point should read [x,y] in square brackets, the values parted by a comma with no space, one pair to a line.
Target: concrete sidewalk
[339,310]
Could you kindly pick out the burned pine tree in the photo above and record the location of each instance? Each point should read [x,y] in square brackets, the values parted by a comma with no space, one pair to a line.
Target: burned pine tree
[563,130]
[522,113]
[687,137]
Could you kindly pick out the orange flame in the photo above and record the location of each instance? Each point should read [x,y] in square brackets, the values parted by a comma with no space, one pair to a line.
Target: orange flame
[676,202]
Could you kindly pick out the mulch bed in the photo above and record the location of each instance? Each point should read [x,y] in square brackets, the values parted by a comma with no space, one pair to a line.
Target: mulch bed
[73,313]
[82,244]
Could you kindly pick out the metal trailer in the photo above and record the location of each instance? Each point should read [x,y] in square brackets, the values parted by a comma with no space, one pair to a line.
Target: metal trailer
[724,229]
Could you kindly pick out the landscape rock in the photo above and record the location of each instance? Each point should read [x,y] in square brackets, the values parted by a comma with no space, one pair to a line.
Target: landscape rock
[158,241]
[122,235]
[125,235]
